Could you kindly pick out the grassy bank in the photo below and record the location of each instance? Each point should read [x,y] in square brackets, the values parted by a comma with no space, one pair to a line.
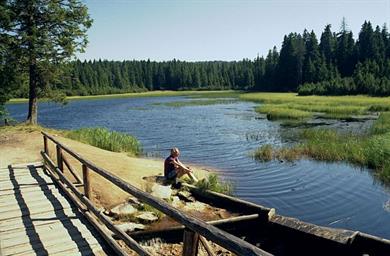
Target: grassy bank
[292,106]
[371,150]
[202,94]
[108,140]
[178,104]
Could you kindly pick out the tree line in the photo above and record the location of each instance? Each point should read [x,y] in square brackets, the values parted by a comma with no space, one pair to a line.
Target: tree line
[334,64]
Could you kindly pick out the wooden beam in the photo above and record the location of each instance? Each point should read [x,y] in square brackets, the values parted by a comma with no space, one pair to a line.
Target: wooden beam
[120,233]
[45,147]
[190,243]
[206,246]
[231,220]
[59,158]
[71,170]
[224,239]
[86,182]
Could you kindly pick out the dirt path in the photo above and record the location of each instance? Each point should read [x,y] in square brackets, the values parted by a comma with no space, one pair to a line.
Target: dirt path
[22,145]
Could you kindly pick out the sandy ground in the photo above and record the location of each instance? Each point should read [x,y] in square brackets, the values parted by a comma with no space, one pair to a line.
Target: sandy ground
[23,145]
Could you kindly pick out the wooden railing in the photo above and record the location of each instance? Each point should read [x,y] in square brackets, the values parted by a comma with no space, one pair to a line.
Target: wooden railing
[195,228]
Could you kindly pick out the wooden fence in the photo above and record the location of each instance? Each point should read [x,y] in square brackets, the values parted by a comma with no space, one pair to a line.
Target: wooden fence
[195,229]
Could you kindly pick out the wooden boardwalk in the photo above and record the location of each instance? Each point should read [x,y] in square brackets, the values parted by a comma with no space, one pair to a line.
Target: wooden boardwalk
[36,218]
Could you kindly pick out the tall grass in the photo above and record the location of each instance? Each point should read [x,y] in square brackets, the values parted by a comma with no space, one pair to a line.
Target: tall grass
[276,112]
[214,183]
[371,150]
[108,140]
[284,105]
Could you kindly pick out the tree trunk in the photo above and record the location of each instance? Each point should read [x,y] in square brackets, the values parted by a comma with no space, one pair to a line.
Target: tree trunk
[33,96]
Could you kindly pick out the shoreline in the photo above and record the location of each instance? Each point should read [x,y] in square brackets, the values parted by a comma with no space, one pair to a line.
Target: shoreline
[22,144]
[133,95]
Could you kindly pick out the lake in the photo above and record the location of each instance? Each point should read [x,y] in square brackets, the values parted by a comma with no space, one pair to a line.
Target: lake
[222,137]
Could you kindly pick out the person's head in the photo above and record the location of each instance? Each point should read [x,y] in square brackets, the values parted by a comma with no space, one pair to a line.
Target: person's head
[175,152]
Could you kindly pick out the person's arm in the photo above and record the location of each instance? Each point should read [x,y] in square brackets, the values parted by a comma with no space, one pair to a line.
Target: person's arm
[180,164]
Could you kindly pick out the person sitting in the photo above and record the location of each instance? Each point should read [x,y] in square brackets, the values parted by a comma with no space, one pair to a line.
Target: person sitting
[174,169]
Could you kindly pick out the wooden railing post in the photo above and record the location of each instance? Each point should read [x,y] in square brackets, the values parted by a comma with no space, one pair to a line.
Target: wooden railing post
[46,149]
[190,243]
[59,158]
[86,181]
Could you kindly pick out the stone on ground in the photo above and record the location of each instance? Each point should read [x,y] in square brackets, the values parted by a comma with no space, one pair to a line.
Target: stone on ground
[123,209]
[147,217]
[163,192]
[130,226]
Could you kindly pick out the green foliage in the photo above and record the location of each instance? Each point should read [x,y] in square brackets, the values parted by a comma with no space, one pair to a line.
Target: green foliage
[382,124]
[264,153]
[336,65]
[214,183]
[371,150]
[41,36]
[108,140]
[290,106]
[275,112]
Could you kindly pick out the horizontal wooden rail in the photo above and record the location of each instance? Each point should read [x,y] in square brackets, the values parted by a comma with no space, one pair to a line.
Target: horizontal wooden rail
[224,239]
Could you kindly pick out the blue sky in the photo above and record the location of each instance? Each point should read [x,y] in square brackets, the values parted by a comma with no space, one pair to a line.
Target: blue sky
[196,30]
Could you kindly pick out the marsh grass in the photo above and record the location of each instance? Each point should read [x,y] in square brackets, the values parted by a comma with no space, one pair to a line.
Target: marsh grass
[371,149]
[285,105]
[108,140]
[276,112]
[382,124]
[206,102]
[214,183]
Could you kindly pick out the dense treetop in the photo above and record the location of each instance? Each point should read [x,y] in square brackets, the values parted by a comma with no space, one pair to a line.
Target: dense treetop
[332,63]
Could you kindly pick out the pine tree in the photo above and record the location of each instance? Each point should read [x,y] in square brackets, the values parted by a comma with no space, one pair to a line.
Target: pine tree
[44,34]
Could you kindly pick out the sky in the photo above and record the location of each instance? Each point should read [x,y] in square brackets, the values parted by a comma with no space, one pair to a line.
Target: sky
[196,30]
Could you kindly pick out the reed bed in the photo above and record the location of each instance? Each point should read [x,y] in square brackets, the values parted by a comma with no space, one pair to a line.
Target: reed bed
[371,150]
[108,140]
[276,112]
[331,107]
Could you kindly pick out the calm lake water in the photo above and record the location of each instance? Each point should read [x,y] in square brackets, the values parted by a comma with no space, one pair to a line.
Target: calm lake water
[222,137]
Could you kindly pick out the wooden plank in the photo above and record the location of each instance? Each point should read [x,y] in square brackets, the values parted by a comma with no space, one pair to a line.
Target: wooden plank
[123,235]
[18,224]
[29,194]
[10,200]
[190,243]
[22,213]
[96,251]
[104,232]
[226,240]
[31,205]
[52,246]
[50,230]
[27,177]
[24,185]
[26,189]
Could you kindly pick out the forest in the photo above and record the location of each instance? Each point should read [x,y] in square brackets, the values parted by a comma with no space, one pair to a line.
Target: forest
[333,64]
